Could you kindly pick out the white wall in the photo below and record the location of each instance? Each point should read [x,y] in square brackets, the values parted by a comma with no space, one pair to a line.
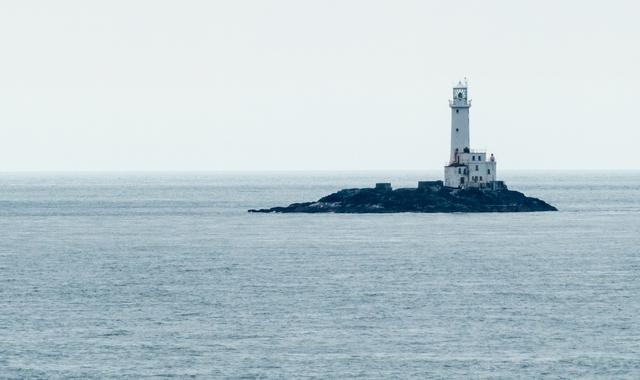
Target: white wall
[459,130]
[452,175]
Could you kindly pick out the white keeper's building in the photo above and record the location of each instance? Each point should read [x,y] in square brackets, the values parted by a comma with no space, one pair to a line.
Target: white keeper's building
[467,167]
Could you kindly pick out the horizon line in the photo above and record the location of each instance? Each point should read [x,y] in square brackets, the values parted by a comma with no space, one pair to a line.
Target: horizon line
[113,171]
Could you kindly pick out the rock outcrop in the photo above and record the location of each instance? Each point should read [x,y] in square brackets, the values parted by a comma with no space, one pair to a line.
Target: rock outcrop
[428,197]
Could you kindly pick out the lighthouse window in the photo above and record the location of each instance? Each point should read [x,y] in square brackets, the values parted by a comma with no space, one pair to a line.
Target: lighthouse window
[480,178]
[488,171]
[459,171]
[457,129]
[473,158]
[476,167]
[457,111]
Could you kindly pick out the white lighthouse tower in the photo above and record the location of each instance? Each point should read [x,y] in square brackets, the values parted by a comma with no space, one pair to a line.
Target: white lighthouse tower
[459,105]
[467,167]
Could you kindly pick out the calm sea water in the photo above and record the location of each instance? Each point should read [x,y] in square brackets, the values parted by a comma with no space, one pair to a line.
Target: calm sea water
[167,275]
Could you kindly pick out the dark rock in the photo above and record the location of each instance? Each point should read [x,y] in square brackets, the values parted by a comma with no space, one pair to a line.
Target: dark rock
[430,197]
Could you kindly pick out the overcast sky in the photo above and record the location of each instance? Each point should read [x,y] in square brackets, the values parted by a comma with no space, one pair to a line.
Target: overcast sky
[312,85]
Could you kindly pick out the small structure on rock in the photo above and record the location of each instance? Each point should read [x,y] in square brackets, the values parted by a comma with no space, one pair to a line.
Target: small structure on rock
[383,186]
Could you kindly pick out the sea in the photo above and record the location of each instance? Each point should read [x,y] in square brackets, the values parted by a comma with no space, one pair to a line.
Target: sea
[166,275]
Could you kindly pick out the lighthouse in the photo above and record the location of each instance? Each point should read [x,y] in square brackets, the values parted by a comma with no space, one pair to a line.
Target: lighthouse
[459,105]
[466,167]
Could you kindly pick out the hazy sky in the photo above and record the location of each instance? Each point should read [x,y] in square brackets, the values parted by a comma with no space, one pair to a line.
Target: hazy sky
[308,85]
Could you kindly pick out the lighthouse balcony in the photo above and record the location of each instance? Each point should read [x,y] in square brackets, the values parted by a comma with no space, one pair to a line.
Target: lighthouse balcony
[459,104]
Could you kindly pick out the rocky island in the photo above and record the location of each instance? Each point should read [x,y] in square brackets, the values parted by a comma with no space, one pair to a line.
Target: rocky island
[429,196]
[470,182]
